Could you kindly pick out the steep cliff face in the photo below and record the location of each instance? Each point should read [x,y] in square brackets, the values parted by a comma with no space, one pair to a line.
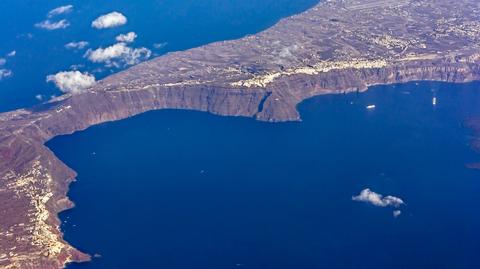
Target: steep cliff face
[37,182]
[289,92]
[337,46]
[31,196]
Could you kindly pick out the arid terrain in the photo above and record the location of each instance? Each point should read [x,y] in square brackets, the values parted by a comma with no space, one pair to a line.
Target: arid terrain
[335,47]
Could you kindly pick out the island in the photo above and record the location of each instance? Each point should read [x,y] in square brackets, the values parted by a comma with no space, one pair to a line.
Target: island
[338,46]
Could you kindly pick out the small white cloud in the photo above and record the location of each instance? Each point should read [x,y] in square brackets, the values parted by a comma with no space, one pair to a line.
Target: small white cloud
[376,199]
[25,36]
[77,45]
[77,66]
[60,10]
[397,213]
[72,81]
[5,73]
[159,45]
[127,38]
[98,70]
[39,97]
[101,55]
[3,61]
[50,25]
[118,54]
[109,20]
[12,53]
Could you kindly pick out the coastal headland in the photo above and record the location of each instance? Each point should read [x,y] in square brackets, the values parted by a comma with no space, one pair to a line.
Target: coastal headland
[337,46]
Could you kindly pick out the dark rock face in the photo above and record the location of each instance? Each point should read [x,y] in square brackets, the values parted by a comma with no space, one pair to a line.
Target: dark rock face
[335,47]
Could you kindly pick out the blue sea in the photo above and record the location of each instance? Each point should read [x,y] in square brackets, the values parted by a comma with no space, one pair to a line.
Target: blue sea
[161,25]
[183,189]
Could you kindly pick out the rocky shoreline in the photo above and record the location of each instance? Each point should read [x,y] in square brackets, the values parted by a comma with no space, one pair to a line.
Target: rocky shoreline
[337,46]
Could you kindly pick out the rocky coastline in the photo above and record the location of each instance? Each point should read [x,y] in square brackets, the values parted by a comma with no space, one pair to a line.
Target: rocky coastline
[337,46]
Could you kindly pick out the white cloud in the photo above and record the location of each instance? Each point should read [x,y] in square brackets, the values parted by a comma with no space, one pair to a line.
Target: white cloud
[25,36]
[159,45]
[118,54]
[376,199]
[5,73]
[77,45]
[127,38]
[12,53]
[76,66]
[60,10]
[72,81]
[397,213]
[3,61]
[50,25]
[109,20]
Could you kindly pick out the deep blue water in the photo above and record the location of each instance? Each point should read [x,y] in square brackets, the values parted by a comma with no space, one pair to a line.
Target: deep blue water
[180,24]
[184,189]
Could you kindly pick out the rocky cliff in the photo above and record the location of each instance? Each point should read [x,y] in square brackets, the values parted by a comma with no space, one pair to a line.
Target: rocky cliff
[337,46]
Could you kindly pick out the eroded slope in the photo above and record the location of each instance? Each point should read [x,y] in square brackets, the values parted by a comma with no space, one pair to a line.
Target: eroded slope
[335,47]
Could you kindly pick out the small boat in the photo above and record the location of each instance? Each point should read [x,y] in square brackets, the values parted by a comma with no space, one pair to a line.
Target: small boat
[370,106]
[434,101]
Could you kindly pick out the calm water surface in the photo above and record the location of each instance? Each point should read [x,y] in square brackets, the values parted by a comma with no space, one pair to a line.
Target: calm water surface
[184,189]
